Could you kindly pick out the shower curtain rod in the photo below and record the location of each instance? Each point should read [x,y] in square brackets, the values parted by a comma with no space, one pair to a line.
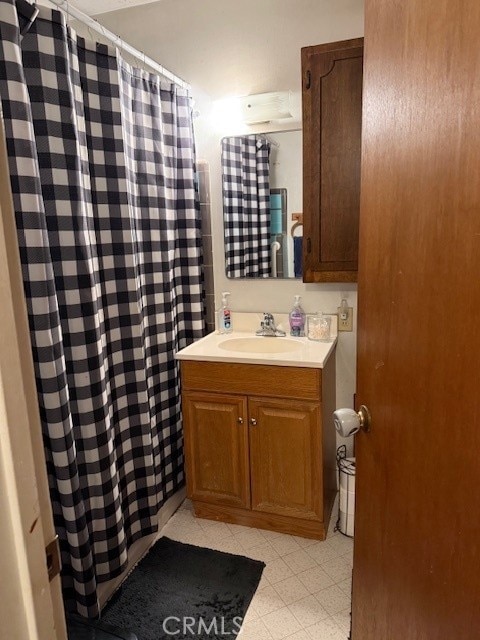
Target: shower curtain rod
[90,22]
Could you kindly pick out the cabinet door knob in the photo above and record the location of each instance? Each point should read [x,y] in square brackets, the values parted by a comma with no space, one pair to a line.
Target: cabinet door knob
[253,422]
[240,421]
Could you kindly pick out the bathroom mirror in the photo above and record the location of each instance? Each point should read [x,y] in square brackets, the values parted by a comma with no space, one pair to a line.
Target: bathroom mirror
[262,204]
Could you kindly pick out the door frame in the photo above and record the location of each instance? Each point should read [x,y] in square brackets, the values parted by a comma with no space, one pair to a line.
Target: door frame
[31,606]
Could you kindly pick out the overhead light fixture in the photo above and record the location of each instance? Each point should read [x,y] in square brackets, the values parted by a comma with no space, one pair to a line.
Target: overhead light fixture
[265,107]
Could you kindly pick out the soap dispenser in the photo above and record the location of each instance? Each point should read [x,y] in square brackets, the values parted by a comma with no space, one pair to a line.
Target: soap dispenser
[297,319]
[225,315]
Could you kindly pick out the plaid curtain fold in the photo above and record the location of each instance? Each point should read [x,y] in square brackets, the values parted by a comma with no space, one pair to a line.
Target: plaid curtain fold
[102,171]
[246,206]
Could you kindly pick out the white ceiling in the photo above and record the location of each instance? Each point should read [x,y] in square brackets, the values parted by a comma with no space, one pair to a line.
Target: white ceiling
[230,47]
[94,7]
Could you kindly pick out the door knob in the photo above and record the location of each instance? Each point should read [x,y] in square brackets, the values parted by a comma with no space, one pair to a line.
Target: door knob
[253,422]
[349,422]
[240,421]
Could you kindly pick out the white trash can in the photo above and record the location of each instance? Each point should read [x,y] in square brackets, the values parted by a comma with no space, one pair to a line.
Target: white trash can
[346,506]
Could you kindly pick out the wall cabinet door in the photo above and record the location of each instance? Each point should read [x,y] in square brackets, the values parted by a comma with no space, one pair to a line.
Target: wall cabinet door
[332,120]
[286,457]
[216,444]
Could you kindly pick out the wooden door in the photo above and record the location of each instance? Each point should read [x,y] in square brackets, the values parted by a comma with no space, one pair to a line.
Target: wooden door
[31,606]
[286,457]
[417,533]
[332,124]
[216,448]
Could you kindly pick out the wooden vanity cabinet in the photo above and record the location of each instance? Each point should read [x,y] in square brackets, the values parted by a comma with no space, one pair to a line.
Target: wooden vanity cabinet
[332,123]
[256,451]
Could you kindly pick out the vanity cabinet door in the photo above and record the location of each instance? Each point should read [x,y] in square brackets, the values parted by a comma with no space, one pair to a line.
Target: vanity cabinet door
[332,123]
[286,457]
[216,448]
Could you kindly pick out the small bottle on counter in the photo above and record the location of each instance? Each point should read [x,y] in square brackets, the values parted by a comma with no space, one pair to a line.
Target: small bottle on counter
[225,315]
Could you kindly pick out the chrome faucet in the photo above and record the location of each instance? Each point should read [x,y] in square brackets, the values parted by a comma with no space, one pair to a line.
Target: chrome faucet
[268,328]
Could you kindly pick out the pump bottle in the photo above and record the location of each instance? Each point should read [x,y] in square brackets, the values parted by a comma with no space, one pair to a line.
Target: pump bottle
[225,315]
[297,319]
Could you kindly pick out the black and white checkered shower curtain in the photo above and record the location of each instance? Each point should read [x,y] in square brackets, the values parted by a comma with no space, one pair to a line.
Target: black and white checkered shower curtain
[102,171]
[246,206]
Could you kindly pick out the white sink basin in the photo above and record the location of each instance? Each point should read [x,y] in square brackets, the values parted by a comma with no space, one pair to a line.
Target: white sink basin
[260,345]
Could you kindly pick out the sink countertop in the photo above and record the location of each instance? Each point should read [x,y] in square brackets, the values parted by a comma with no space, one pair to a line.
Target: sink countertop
[309,353]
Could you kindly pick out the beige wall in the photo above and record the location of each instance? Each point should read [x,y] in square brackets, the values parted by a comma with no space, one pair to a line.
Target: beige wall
[226,48]
[275,295]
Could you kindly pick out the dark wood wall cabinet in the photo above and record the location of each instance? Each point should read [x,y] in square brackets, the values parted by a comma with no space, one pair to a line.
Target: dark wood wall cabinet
[332,124]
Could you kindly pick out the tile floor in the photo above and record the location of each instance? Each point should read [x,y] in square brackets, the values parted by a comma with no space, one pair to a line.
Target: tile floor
[304,593]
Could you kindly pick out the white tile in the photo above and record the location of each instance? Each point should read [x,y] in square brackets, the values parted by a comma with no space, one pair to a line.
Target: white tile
[291,590]
[321,552]
[250,538]
[305,542]
[281,623]
[315,579]
[277,570]
[186,505]
[215,537]
[338,569]
[264,552]
[308,611]
[237,528]
[340,543]
[333,599]
[197,539]
[326,630]
[343,620]
[348,556]
[299,561]
[346,585]
[230,545]
[174,533]
[285,544]
[263,581]
[266,600]
[300,635]
[254,630]
[216,529]
[183,522]
[332,525]
[271,535]
[296,598]
[251,615]
[331,534]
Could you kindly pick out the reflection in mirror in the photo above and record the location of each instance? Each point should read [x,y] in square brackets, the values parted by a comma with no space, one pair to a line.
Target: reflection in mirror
[262,204]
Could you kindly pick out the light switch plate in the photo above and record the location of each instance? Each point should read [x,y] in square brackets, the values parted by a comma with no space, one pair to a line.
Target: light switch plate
[345,324]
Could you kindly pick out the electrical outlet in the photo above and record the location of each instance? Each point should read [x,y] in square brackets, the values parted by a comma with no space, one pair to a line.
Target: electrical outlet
[345,323]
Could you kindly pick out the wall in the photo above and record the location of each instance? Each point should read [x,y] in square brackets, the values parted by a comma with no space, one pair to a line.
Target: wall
[275,296]
[226,48]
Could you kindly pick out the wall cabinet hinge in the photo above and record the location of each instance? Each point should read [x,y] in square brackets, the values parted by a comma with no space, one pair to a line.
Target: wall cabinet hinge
[308,79]
[309,245]
[52,554]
